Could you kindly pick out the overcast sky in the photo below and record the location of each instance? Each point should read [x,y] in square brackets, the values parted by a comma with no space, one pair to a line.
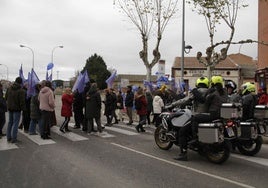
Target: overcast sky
[85,27]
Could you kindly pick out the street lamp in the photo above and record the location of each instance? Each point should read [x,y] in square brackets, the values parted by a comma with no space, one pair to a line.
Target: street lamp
[23,46]
[52,57]
[185,49]
[7,70]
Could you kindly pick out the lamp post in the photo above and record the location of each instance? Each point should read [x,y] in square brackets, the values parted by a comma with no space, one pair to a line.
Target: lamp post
[7,70]
[23,46]
[52,54]
[188,47]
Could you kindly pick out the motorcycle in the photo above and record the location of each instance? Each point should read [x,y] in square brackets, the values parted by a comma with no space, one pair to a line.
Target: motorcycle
[210,142]
[243,135]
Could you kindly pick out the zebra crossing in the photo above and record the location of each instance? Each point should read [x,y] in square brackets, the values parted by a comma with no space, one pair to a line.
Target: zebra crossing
[109,132]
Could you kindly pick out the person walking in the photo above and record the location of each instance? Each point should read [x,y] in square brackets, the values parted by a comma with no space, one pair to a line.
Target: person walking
[109,105]
[15,97]
[141,107]
[47,107]
[3,110]
[93,108]
[158,105]
[78,106]
[66,109]
[149,99]
[35,113]
[119,106]
[129,104]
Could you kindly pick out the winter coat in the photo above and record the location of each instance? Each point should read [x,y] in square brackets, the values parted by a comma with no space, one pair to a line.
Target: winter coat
[158,104]
[110,103]
[143,110]
[67,102]
[34,108]
[149,99]
[119,101]
[249,101]
[78,102]
[93,103]
[3,104]
[129,99]
[214,101]
[15,97]
[46,99]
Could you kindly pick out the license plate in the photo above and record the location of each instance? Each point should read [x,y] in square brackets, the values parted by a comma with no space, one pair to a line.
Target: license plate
[230,132]
[261,129]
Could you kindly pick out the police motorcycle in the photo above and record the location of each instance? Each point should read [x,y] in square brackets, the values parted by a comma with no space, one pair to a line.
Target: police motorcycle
[243,135]
[210,142]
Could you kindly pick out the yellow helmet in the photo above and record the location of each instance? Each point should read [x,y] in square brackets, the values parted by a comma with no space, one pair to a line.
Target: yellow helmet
[217,80]
[250,87]
[202,80]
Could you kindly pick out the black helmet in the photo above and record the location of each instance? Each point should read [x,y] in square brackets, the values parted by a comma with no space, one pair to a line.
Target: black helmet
[230,84]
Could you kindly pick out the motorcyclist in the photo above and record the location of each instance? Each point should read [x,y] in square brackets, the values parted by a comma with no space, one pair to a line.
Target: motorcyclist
[233,96]
[197,97]
[216,95]
[249,100]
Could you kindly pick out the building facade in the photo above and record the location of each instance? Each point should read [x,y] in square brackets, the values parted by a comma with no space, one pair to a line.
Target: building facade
[237,67]
[263,34]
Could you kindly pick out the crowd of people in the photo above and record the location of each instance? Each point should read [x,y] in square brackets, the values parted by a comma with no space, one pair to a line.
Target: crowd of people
[86,107]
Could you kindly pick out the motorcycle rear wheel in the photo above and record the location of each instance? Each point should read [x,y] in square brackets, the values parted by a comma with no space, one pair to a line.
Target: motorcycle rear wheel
[219,155]
[250,147]
[161,139]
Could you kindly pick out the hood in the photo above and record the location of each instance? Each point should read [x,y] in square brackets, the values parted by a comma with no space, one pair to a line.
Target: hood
[45,90]
[157,98]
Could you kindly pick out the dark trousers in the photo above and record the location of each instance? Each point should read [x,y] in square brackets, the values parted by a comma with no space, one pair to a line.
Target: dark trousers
[46,119]
[78,118]
[148,117]
[91,124]
[65,123]
[142,121]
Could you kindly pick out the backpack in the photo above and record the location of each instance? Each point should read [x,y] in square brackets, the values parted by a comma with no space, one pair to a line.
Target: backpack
[137,104]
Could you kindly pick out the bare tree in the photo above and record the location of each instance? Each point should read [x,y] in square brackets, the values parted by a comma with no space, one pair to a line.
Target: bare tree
[149,16]
[218,12]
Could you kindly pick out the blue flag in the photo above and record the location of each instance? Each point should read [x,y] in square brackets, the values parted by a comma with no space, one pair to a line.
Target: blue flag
[32,81]
[80,82]
[48,77]
[50,66]
[21,74]
[111,79]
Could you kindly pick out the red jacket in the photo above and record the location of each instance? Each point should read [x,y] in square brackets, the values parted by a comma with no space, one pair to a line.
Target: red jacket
[67,102]
[143,110]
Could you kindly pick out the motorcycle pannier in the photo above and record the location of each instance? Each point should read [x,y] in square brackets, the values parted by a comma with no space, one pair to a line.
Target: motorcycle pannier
[231,110]
[208,132]
[248,130]
[261,112]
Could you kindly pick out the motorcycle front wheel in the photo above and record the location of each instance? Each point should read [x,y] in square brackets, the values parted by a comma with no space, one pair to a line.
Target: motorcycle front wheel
[250,147]
[161,139]
[218,154]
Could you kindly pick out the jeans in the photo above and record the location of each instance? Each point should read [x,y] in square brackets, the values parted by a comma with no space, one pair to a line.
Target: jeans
[13,123]
[32,128]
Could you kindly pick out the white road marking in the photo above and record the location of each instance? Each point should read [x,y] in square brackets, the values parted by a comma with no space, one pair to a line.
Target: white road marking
[37,139]
[258,160]
[122,131]
[4,145]
[104,134]
[69,135]
[185,167]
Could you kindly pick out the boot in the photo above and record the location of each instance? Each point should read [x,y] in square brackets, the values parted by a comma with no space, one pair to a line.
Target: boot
[182,156]
[137,128]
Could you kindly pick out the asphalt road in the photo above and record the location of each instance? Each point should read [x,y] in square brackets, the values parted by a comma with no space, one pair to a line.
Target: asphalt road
[118,159]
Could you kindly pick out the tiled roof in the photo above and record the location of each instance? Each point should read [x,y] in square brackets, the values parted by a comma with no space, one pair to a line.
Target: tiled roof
[231,62]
